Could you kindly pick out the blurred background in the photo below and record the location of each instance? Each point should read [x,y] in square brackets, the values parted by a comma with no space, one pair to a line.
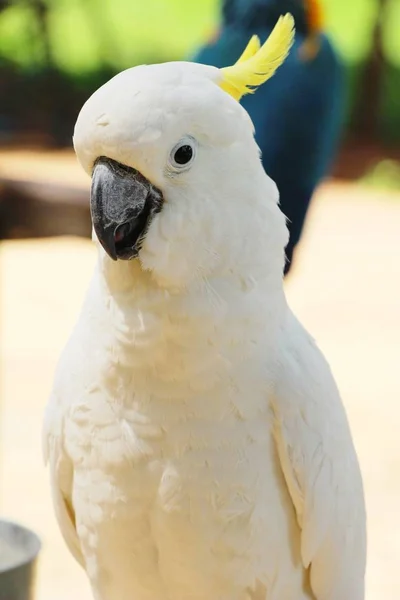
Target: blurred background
[345,285]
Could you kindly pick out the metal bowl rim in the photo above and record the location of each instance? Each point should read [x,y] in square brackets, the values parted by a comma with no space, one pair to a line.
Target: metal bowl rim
[31,556]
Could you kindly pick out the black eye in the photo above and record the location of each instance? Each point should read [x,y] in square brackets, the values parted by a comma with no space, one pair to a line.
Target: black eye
[183,154]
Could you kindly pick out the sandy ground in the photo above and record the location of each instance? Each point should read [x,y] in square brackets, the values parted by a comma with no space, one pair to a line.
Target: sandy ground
[345,289]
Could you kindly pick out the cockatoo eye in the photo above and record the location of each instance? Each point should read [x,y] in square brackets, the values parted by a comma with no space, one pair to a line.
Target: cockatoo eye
[182,155]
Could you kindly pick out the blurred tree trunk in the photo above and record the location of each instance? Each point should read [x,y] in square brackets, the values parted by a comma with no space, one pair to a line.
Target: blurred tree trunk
[367,106]
[53,88]
[42,13]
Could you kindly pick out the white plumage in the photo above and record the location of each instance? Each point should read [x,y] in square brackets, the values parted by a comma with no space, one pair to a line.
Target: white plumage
[197,444]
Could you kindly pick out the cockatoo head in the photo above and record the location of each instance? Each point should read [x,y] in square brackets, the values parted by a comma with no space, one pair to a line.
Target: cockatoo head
[177,181]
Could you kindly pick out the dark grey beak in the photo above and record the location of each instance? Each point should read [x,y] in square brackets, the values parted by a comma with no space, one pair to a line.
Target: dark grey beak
[122,204]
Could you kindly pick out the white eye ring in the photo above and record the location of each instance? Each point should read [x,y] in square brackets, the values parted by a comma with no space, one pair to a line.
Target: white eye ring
[183,154]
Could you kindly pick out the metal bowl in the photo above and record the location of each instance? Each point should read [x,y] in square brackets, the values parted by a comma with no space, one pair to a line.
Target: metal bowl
[19,548]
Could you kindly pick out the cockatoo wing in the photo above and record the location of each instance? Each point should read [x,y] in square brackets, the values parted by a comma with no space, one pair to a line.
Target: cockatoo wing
[61,476]
[321,469]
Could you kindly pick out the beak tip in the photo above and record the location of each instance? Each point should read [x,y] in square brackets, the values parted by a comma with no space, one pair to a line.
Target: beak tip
[108,244]
[110,252]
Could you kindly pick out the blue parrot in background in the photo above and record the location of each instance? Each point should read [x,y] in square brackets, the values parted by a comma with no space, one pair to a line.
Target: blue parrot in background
[297,114]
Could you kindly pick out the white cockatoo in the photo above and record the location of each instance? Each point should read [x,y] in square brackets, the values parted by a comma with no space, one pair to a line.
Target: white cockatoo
[197,444]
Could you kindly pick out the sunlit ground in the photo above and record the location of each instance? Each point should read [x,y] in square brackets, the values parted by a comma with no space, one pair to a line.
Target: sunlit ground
[345,289]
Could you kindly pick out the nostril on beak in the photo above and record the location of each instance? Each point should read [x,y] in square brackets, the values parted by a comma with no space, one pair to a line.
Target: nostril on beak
[127,234]
[122,231]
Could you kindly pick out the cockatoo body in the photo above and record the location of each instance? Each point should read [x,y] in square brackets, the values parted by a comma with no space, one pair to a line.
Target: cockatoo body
[197,445]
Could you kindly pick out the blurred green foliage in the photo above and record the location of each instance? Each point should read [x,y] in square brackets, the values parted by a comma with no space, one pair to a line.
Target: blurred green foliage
[384,174]
[85,35]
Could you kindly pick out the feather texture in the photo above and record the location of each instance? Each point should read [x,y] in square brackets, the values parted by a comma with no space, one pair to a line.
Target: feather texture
[196,442]
[251,49]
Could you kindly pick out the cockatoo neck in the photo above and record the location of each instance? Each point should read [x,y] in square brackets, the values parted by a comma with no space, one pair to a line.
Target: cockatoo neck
[121,277]
[126,281]
[187,340]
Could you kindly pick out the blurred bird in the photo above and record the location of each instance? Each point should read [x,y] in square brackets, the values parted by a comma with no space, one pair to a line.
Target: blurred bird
[298,116]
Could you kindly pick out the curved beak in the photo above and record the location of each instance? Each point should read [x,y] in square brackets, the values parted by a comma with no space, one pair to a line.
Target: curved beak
[122,204]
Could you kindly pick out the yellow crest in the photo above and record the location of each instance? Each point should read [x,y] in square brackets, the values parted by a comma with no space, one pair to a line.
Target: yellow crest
[259,63]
